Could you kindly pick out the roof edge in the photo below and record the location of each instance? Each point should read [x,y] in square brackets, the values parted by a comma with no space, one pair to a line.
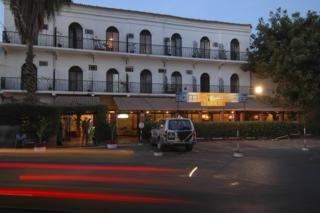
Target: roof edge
[161,15]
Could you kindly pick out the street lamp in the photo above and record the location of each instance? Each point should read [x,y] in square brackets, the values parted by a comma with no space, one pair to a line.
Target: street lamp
[258,90]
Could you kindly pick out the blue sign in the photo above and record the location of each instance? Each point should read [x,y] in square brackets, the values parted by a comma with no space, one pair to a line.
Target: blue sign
[243,97]
[181,97]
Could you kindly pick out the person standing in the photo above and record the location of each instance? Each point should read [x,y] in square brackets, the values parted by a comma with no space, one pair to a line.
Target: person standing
[84,127]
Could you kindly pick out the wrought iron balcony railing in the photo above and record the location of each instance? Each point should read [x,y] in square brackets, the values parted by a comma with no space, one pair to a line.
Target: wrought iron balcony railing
[61,85]
[127,47]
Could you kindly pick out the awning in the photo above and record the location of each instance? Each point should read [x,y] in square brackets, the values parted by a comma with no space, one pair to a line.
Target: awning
[77,101]
[153,104]
[252,105]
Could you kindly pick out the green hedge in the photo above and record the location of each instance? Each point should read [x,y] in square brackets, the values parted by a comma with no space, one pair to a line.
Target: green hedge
[247,129]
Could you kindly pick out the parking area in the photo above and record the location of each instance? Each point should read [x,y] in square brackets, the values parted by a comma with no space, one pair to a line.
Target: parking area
[273,176]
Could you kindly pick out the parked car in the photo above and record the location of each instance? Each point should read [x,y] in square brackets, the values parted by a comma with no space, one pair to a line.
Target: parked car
[173,132]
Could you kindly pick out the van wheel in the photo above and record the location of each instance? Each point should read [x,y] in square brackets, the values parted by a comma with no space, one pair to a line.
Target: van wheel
[189,147]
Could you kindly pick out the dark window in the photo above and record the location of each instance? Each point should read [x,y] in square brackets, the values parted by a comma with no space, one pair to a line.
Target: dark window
[189,72]
[176,45]
[75,36]
[112,39]
[43,63]
[25,76]
[75,79]
[205,47]
[129,69]
[145,42]
[205,83]
[234,81]
[45,27]
[221,85]
[88,32]
[146,81]
[112,81]
[93,67]
[235,50]
[176,82]
[162,71]
[130,43]
[179,125]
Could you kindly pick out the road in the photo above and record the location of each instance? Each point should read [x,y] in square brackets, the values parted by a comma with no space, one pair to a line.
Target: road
[273,176]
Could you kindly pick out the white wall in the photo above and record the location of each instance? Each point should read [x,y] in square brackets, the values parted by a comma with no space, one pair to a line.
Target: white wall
[130,22]
[16,58]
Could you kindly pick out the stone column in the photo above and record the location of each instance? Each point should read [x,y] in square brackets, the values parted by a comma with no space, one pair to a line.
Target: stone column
[281,118]
[222,116]
[242,116]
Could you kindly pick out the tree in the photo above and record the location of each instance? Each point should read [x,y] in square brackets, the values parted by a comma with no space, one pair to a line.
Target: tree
[287,49]
[29,17]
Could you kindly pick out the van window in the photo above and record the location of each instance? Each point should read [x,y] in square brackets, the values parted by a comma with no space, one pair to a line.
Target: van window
[179,125]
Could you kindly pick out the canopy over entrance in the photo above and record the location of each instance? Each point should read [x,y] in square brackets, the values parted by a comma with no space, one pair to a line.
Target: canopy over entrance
[154,104]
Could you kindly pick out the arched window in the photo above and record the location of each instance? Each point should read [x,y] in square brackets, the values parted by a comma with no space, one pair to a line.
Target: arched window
[145,42]
[146,81]
[112,39]
[176,82]
[176,45]
[75,36]
[234,82]
[205,83]
[112,80]
[221,85]
[25,77]
[235,49]
[205,47]
[75,79]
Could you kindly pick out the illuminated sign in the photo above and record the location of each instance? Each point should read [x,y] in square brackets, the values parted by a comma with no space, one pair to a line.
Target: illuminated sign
[213,99]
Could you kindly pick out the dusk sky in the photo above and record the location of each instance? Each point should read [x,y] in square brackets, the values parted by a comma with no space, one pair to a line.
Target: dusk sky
[244,11]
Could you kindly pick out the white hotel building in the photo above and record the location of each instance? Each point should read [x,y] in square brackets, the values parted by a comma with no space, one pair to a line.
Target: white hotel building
[135,63]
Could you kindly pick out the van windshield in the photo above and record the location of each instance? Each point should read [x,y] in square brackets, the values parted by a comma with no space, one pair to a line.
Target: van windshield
[179,125]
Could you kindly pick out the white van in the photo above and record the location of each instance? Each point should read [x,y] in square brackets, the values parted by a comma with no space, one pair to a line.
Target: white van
[174,132]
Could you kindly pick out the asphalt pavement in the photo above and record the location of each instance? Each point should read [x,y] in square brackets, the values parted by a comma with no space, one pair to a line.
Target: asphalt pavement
[273,176]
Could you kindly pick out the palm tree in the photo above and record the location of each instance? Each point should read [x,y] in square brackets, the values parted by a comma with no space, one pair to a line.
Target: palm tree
[29,16]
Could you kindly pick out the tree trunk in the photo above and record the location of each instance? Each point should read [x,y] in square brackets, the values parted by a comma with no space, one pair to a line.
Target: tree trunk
[31,75]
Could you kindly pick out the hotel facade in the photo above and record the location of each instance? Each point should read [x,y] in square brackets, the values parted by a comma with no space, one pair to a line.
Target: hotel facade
[139,65]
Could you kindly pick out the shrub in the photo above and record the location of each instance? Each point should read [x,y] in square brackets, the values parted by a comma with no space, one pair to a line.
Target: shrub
[247,129]
[29,116]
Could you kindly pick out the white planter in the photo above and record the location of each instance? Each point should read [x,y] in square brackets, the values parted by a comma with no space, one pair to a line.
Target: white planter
[158,154]
[112,146]
[237,154]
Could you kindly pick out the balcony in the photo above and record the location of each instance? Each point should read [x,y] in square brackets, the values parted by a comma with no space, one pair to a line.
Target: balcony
[58,41]
[104,87]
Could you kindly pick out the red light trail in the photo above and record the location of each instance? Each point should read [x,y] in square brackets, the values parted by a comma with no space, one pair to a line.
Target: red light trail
[98,179]
[144,169]
[89,196]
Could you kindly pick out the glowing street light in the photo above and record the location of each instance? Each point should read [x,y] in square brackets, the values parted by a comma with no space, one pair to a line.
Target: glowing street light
[258,90]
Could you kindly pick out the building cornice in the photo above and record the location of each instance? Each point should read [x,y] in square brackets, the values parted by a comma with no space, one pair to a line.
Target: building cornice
[163,17]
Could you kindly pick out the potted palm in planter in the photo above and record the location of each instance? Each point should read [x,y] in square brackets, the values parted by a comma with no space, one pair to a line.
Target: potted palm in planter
[112,143]
[40,129]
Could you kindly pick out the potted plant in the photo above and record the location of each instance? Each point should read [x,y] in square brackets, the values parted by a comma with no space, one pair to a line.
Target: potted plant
[112,143]
[40,129]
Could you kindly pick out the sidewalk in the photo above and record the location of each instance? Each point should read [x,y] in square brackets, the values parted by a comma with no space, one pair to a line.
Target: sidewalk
[102,150]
